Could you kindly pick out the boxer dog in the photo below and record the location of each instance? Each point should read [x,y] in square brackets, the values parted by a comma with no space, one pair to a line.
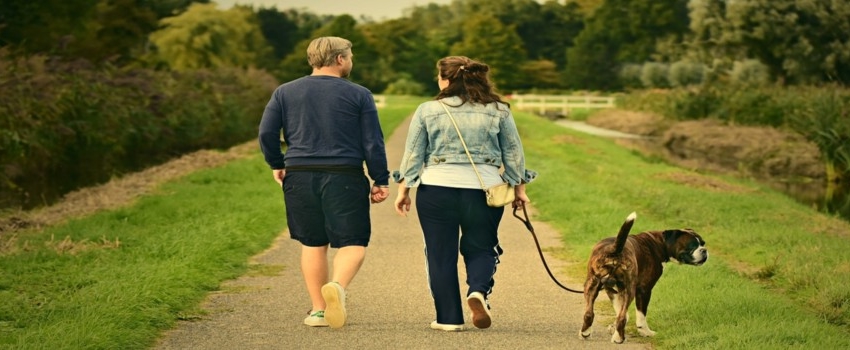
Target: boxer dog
[627,267]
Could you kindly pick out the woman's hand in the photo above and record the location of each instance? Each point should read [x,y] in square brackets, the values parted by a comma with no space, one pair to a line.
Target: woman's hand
[402,201]
[521,197]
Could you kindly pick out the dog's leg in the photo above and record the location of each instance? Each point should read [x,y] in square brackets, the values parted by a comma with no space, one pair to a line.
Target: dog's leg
[641,307]
[591,291]
[615,303]
[624,298]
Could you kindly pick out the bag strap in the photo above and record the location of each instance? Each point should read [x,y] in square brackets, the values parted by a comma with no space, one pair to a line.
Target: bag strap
[464,144]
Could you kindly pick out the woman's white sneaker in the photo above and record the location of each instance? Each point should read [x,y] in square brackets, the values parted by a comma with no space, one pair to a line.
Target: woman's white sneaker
[481,317]
[446,327]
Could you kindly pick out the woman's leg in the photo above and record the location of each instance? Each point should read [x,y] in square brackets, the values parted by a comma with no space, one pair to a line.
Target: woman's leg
[479,242]
[438,216]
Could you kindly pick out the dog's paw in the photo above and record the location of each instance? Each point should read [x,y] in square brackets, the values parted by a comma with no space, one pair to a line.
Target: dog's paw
[584,334]
[617,339]
[646,332]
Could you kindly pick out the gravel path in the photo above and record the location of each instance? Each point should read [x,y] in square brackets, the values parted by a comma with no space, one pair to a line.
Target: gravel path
[388,303]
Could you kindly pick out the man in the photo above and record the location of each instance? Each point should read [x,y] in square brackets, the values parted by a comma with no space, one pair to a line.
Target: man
[330,127]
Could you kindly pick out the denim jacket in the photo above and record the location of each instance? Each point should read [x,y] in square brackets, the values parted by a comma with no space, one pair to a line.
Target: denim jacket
[489,131]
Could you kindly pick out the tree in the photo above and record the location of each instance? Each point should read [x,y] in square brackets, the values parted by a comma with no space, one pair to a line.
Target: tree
[546,30]
[44,26]
[800,41]
[205,37]
[621,32]
[368,70]
[405,50]
[119,32]
[488,40]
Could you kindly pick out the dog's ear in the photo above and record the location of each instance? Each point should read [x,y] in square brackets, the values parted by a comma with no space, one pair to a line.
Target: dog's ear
[670,236]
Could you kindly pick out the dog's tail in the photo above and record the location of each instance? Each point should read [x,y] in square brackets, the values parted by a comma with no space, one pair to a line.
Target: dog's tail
[624,233]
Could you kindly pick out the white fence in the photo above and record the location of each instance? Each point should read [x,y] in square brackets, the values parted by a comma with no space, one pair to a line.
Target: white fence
[543,103]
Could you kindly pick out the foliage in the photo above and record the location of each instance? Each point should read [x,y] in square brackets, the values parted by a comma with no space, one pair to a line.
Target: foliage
[97,30]
[629,75]
[825,120]
[488,40]
[90,124]
[366,63]
[541,74]
[749,72]
[655,75]
[406,51]
[801,41]
[820,114]
[44,26]
[205,37]
[685,73]
[621,32]
[405,86]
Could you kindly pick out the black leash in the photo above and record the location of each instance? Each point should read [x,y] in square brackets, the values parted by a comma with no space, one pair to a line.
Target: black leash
[527,223]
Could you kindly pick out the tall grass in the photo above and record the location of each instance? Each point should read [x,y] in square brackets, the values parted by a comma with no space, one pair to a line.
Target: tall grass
[821,114]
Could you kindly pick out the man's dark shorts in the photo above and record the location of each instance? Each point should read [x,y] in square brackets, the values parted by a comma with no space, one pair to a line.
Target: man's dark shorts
[324,207]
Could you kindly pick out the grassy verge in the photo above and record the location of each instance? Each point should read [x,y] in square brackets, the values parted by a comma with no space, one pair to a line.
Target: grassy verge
[777,270]
[116,279]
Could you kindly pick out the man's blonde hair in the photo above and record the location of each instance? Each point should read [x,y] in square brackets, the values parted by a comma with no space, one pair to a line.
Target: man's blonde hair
[323,51]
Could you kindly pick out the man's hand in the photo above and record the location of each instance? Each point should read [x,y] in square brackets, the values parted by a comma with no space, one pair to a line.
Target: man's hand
[278,175]
[379,194]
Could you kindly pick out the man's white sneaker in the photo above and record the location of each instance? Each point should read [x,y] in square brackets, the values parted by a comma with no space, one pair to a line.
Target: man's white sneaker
[480,310]
[446,327]
[316,319]
[334,297]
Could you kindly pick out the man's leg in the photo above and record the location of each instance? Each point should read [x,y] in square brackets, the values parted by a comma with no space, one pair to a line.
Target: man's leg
[314,266]
[347,262]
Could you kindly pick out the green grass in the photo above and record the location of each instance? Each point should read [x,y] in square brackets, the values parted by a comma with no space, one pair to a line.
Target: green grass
[116,279]
[775,279]
[778,270]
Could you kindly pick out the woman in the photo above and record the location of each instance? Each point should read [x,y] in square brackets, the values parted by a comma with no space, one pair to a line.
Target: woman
[449,197]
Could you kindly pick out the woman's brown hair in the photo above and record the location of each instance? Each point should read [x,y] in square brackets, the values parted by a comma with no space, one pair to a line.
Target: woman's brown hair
[468,79]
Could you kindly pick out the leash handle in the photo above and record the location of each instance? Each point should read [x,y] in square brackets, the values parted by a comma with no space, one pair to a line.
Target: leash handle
[530,228]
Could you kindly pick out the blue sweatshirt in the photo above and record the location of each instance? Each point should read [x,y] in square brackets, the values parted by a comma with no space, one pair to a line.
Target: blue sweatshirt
[326,122]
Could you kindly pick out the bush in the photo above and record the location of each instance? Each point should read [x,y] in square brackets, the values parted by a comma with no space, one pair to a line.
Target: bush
[630,75]
[654,75]
[684,73]
[65,125]
[405,86]
[750,73]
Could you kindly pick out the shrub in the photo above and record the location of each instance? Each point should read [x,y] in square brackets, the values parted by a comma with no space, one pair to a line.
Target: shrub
[405,86]
[684,73]
[630,75]
[654,75]
[750,73]
[65,125]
